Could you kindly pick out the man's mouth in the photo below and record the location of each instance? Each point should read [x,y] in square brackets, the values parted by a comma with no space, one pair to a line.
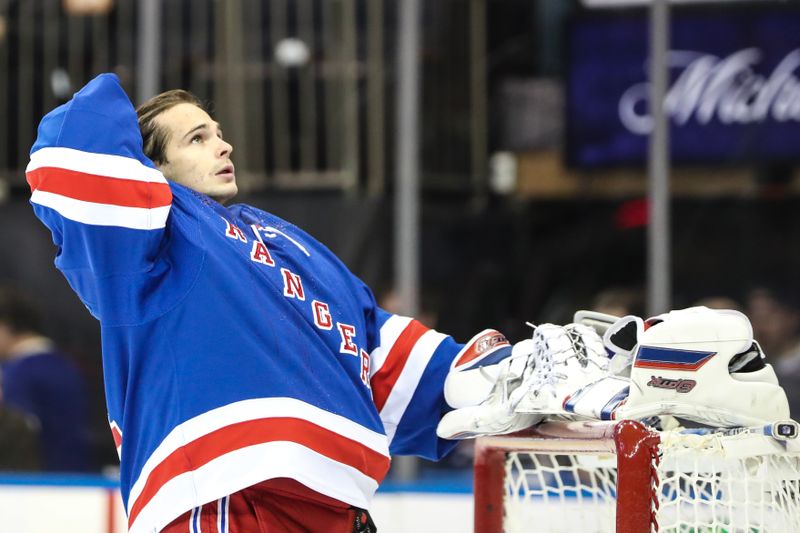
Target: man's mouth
[226,172]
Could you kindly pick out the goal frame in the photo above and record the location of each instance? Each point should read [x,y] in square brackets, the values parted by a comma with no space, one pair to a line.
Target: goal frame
[635,447]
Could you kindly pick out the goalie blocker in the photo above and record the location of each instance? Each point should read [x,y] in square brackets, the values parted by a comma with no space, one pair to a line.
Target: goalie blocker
[498,389]
[481,378]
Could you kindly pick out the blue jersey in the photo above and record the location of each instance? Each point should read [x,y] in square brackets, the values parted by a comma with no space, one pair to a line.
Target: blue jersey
[236,348]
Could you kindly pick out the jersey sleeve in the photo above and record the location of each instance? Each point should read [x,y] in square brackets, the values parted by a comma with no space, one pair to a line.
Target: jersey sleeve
[408,367]
[104,202]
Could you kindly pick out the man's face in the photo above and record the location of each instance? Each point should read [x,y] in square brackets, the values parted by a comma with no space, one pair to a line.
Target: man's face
[197,156]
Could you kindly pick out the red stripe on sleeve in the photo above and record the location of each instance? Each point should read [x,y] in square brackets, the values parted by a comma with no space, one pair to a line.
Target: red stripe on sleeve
[252,432]
[383,381]
[100,189]
[117,436]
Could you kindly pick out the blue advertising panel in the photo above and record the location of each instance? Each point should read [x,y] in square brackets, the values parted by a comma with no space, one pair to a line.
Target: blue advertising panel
[733,96]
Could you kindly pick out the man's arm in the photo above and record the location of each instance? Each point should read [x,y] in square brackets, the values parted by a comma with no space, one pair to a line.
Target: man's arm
[103,200]
[407,373]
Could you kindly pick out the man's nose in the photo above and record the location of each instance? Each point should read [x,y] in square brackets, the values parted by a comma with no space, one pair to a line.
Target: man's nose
[225,148]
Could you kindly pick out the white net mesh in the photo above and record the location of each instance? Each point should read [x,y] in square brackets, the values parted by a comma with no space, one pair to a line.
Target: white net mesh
[743,483]
[559,493]
[708,484]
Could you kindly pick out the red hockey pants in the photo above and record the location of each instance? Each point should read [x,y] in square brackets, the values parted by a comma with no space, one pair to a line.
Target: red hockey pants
[273,506]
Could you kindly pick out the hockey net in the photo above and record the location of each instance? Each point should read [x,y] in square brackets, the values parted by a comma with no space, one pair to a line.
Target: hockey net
[592,477]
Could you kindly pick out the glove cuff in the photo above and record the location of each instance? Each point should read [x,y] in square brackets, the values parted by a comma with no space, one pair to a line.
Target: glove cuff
[476,368]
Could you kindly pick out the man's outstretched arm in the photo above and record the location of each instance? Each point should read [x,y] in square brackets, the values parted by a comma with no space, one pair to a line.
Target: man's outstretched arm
[103,200]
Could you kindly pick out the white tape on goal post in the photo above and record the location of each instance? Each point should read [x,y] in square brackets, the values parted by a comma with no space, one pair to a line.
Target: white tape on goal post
[621,477]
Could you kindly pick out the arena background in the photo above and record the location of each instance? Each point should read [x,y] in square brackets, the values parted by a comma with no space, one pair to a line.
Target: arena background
[527,213]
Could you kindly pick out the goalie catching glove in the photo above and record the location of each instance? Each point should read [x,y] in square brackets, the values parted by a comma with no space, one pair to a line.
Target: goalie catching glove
[570,375]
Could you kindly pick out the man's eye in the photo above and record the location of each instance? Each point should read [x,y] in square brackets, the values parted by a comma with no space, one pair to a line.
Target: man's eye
[196,139]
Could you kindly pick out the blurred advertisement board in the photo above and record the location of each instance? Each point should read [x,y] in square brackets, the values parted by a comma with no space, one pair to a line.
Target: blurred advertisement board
[627,3]
[733,96]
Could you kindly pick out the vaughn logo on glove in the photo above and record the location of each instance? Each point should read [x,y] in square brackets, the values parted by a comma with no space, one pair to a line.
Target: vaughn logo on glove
[678,385]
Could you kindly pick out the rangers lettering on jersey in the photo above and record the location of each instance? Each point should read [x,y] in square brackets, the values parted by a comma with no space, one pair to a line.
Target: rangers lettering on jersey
[322,315]
[292,285]
[365,362]
[260,254]
[347,332]
[234,233]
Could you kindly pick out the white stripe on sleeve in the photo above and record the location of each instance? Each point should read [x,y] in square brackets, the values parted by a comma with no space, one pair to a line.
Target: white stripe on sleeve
[390,332]
[103,214]
[407,382]
[110,166]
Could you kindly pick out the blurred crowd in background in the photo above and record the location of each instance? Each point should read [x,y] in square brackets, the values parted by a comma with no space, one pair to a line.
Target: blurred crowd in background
[532,185]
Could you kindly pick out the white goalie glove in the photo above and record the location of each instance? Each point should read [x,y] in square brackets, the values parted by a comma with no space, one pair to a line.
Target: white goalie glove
[570,376]
[482,377]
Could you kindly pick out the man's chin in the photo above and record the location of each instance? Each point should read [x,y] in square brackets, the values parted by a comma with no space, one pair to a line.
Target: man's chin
[225,194]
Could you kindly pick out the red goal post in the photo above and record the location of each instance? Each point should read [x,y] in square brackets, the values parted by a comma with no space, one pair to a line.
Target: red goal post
[623,477]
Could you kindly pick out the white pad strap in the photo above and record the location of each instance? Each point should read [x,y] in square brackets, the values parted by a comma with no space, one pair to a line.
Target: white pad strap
[600,322]
[621,339]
